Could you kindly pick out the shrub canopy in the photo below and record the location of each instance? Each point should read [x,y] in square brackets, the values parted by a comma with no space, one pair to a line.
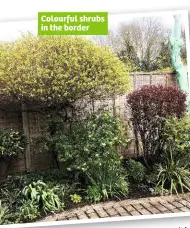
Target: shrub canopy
[157,100]
[55,69]
[149,107]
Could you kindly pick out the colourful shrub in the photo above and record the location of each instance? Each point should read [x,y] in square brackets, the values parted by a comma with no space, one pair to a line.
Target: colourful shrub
[149,107]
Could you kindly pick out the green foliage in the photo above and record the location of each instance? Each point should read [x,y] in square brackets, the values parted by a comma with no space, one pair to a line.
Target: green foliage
[12,186]
[159,190]
[86,143]
[177,137]
[93,194]
[10,196]
[130,58]
[4,213]
[29,196]
[136,171]
[162,63]
[29,210]
[164,60]
[167,70]
[14,209]
[43,196]
[173,175]
[11,143]
[106,181]
[56,69]
[88,151]
[131,66]
[52,178]
[76,198]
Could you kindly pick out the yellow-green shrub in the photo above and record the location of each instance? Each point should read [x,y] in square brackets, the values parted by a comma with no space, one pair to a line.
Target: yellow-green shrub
[58,69]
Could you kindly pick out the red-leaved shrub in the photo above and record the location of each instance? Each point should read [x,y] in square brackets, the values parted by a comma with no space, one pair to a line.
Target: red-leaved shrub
[149,107]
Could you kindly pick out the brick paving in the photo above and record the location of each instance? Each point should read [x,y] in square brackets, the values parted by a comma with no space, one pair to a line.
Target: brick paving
[128,207]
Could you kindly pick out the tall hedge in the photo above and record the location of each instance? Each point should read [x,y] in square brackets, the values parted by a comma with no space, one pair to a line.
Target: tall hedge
[57,69]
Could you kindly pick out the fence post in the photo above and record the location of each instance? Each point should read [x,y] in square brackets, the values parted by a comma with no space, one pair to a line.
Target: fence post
[166,79]
[114,107]
[134,81]
[93,106]
[150,79]
[28,162]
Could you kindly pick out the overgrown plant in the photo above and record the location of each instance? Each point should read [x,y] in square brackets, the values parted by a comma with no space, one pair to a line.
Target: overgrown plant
[107,182]
[136,171]
[46,198]
[29,210]
[82,143]
[4,213]
[88,150]
[22,195]
[173,175]
[11,143]
[94,194]
[177,137]
[149,107]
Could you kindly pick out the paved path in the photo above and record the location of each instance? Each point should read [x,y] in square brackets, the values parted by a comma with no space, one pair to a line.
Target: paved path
[143,206]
